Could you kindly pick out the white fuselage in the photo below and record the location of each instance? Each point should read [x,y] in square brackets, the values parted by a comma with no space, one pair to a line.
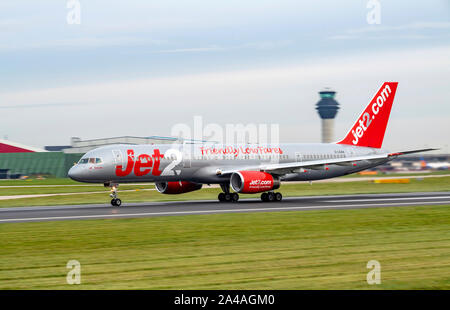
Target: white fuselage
[202,163]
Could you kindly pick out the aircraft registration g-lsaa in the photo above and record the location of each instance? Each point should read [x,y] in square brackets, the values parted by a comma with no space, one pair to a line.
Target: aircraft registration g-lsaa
[248,169]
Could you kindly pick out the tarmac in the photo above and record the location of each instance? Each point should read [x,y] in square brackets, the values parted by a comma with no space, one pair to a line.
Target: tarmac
[244,205]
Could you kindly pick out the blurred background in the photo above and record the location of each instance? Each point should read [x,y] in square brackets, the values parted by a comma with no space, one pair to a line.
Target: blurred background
[78,74]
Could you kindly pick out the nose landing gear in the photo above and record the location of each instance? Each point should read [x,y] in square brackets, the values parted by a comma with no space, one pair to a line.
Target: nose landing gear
[115,202]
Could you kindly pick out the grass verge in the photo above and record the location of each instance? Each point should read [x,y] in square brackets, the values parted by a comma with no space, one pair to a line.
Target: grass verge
[303,189]
[277,250]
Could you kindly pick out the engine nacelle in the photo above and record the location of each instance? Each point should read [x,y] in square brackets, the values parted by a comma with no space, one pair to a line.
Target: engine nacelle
[179,187]
[250,182]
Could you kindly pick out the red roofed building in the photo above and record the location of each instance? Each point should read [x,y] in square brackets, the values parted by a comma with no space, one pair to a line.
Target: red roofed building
[12,147]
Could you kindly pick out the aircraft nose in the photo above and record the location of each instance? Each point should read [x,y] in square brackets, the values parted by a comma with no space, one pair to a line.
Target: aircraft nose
[75,173]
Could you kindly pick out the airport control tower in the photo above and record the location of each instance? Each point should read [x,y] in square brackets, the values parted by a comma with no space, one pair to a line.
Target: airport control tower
[327,108]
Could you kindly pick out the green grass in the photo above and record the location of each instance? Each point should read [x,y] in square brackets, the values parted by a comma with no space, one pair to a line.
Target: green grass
[303,189]
[67,181]
[65,189]
[49,181]
[279,250]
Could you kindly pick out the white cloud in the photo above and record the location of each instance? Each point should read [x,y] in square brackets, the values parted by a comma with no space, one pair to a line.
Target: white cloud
[343,37]
[411,31]
[261,45]
[410,26]
[192,50]
[81,42]
[284,95]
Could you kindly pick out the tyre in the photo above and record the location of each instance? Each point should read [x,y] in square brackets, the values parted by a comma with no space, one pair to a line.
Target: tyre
[278,196]
[264,197]
[118,202]
[113,202]
[227,197]
[271,197]
[221,197]
[234,197]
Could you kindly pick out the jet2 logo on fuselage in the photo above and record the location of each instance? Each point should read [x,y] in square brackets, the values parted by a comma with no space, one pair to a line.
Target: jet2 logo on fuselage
[143,165]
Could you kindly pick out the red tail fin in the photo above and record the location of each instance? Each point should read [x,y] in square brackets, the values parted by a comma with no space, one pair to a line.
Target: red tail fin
[370,127]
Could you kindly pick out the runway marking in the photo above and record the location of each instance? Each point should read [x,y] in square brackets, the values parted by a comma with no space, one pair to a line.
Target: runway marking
[75,217]
[381,199]
[68,194]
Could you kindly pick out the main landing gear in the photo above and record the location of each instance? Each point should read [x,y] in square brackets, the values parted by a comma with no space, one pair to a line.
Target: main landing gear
[271,197]
[226,196]
[115,202]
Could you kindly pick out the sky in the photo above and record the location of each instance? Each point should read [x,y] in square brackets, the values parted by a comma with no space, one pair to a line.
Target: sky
[140,67]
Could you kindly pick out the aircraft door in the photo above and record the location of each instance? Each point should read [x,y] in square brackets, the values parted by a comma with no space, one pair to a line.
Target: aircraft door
[118,157]
[188,150]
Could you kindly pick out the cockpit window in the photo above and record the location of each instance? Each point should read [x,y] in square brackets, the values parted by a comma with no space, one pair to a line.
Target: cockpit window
[83,161]
[90,160]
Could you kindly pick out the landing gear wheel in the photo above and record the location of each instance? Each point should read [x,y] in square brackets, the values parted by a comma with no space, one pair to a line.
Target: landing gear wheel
[227,197]
[234,197]
[264,197]
[271,197]
[278,196]
[221,197]
[116,202]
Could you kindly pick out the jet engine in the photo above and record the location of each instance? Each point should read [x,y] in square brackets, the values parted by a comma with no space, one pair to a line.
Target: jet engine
[179,187]
[250,182]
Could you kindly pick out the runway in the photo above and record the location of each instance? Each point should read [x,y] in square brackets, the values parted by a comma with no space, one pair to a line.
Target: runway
[174,208]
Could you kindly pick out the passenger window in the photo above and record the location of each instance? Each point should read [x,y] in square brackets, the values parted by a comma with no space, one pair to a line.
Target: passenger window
[83,161]
[98,160]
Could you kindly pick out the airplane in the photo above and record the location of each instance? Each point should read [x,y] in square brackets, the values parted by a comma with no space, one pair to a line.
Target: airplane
[246,168]
[434,165]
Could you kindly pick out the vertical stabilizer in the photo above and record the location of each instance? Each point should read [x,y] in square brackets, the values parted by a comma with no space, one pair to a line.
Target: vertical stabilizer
[370,127]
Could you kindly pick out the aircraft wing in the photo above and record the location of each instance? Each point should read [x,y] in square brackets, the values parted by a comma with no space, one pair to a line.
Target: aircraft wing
[411,152]
[284,168]
[293,167]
